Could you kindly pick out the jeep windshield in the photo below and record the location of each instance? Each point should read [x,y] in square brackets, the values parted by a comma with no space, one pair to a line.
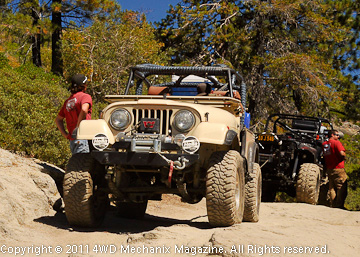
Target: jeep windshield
[150,79]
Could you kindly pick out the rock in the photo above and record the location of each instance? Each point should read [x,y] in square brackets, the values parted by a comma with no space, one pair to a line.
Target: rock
[348,128]
[55,172]
[26,192]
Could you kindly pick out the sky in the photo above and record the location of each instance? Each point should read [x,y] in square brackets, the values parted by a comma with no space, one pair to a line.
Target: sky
[155,10]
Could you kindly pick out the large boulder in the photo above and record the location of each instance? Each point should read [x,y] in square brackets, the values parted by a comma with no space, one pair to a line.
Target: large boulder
[26,191]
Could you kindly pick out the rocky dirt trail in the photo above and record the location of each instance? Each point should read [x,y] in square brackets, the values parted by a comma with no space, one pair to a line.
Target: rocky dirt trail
[30,227]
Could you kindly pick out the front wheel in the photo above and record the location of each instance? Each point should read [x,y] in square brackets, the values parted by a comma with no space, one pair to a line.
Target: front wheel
[253,194]
[308,184]
[85,202]
[225,188]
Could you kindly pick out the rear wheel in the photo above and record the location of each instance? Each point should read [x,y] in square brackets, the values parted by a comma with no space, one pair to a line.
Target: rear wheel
[225,188]
[308,184]
[253,194]
[85,201]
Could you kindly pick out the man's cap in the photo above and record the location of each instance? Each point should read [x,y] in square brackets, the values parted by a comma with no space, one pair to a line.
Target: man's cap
[78,80]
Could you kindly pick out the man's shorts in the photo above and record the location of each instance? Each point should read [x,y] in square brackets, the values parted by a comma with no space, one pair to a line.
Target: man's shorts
[79,146]
[338,177]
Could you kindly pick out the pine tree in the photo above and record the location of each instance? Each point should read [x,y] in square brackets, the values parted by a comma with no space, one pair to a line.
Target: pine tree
[63,14]
[287,50]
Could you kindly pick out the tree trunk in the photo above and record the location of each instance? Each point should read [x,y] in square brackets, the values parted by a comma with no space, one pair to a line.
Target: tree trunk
[36,40]
[57,62]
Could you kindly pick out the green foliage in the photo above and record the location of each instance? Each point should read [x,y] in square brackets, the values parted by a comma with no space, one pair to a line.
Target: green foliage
[31,98]
[16,29]
[106,50]
[4,62]
[22,23]
[29,102]
[352,167]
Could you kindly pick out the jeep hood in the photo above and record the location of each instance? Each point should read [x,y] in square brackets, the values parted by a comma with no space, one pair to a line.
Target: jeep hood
[205,100]
[210,109]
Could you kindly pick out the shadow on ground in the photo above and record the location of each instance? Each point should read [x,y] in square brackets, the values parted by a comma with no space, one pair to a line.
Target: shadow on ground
[115,224]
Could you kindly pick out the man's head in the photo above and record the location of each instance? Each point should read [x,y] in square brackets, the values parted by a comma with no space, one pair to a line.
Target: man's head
[334,134]
[78,83]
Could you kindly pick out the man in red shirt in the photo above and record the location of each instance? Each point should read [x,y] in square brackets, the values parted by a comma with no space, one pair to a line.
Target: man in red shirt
[334,154]
[76,108]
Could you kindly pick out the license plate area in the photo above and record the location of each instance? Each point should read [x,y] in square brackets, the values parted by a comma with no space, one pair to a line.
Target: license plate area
[266,137]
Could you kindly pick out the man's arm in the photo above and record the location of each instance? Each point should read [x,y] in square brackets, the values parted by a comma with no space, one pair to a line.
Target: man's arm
[341,150]
[82,115]
[60,124]
[343,155]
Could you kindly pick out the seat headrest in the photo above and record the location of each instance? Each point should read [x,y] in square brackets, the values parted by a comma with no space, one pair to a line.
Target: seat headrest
[158,90]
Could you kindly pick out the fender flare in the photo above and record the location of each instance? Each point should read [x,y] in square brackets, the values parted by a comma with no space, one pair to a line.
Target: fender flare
[253,156]
[250,150]
[214,133]
[88,129]
[309,151]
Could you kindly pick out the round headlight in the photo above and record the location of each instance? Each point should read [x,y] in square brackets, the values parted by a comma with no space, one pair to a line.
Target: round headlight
[184,120]
[120,119]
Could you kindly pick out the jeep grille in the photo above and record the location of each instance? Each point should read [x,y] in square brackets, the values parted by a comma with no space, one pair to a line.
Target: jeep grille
[163,115]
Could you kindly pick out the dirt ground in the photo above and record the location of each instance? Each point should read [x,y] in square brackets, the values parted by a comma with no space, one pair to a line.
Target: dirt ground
[173,228]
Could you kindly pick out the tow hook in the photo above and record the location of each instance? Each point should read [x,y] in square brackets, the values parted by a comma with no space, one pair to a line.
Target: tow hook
[180,164]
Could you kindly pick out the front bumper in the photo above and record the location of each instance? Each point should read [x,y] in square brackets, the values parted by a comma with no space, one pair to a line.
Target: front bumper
[153,160]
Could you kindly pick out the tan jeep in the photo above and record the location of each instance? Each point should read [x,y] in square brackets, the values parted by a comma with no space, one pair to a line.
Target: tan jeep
[176,130]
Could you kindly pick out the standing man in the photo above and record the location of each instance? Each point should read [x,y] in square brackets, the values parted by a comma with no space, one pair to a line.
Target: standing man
[76,108]
[334,153]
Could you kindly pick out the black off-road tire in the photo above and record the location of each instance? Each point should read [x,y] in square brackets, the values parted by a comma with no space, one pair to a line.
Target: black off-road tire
[225,188]
[85,203]
[131,210]
[308,183]
[253,188]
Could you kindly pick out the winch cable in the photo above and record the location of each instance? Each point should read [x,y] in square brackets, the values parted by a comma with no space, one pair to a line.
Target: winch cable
[178,165]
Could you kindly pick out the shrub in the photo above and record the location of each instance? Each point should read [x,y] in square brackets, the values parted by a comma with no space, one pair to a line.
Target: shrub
[29,102]
[352,167]
[4,62]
